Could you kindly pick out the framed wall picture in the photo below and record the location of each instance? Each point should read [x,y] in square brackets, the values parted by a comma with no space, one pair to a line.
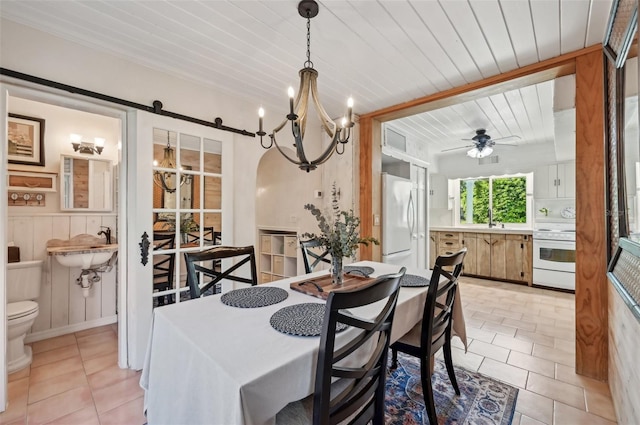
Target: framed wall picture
[26,140]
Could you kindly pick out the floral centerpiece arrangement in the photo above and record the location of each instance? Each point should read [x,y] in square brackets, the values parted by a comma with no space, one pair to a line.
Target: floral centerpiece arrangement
[338,234]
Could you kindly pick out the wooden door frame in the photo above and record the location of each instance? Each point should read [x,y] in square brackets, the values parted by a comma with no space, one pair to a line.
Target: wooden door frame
[591,282]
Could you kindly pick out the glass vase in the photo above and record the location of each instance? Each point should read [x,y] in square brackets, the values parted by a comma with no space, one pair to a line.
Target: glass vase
[336,270]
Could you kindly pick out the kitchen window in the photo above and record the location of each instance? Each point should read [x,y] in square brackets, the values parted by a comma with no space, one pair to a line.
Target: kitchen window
[507,197]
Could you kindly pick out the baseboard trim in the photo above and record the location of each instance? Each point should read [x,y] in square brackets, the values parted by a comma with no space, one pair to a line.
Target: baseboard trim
[63,330]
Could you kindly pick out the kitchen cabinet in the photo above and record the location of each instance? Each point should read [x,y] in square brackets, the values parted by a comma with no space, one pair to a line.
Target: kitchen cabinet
[483,254]
[495,255]
[470,263]
[518,258]
[498,251]
[438,191]
[449,242]
[278,255]
[433,247]
[555,181]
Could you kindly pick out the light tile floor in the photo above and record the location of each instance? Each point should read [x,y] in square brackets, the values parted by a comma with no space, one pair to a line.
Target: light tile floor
[75,379]
[519,335]
[526,337]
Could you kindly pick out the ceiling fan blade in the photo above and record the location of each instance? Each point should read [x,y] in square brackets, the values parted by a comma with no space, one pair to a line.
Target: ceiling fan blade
[458,148]
[506,144]
[506,137]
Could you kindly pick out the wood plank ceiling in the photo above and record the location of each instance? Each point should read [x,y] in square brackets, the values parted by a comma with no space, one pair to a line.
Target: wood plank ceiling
[380,52]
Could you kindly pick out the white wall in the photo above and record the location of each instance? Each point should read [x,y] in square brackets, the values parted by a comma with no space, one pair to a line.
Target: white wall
[59,124]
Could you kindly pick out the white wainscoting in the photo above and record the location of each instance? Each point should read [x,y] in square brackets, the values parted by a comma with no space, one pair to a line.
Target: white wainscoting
[624,375]
[63,309]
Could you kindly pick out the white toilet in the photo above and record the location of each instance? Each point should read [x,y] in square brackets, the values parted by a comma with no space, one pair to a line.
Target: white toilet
[23,287]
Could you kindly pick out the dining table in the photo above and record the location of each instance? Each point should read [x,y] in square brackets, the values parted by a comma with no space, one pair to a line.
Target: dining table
[211,363]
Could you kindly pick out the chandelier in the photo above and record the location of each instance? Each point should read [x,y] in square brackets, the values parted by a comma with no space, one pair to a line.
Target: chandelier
[308,90]
[165,179]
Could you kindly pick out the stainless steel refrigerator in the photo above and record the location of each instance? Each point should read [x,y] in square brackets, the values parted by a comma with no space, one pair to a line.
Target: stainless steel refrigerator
[398,220]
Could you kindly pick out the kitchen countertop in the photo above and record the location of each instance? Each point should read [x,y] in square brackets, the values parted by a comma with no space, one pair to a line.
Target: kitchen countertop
[511,231]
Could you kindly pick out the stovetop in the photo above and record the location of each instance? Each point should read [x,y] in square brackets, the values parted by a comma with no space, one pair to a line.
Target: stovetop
[554,234]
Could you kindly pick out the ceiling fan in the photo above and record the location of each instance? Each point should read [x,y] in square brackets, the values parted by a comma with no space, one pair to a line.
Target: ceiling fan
[482,144]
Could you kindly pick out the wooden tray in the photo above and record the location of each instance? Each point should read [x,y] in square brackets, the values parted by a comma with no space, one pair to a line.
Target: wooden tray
[349,282]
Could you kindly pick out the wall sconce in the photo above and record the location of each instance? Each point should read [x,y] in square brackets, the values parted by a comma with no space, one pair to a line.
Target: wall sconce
[87,147]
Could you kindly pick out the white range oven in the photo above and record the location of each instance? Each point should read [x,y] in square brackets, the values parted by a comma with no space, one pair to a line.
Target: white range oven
[554,257]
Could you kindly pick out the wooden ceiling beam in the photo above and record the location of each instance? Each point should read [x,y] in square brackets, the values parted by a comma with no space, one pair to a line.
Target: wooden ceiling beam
[517,78]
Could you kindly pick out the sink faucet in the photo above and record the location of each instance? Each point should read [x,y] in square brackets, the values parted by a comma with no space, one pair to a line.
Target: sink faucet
[491,223]
[106,233]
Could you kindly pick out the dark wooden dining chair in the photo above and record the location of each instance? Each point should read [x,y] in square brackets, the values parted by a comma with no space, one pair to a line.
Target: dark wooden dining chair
[163,264]
[344,392]
[208,264]
[310,255]
[434,331]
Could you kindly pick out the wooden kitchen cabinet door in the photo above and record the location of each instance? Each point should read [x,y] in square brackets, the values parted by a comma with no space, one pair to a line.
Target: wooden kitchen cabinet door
[514,257]
[470,263]
[527,259]
[498,251]
[483,254]
[433,249]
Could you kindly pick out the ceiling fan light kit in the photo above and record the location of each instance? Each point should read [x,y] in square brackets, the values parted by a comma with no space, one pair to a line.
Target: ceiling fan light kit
[480,152]
[482,144]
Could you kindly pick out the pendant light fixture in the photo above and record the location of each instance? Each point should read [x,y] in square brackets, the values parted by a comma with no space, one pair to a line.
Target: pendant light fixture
[166,179]
[298,109]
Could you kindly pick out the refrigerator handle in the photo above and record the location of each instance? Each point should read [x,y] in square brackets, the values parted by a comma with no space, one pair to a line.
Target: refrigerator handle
[411,215]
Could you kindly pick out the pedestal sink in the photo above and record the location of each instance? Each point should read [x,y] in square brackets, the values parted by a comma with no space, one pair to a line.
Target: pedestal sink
[83,256]
[86,252]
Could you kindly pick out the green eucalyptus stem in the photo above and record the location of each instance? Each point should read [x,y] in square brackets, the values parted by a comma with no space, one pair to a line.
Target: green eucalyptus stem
[339,233]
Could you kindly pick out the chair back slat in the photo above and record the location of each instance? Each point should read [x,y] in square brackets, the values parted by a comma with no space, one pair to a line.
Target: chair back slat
[163,264]
[307,248]
[364,384]
[438,307]
[214,255]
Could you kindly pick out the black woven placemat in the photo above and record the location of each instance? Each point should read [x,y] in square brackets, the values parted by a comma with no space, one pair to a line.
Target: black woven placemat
[301,320]
[413,280]
[254,296]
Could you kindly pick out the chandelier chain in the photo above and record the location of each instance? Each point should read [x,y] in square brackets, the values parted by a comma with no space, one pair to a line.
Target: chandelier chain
[308,63]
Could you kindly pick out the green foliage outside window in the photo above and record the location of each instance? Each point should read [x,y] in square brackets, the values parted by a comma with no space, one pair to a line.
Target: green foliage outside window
[510,200]
[507,198]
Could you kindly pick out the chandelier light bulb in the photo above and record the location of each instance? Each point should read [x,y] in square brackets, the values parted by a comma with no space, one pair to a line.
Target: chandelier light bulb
[99,142]
[76,138]
[291,93]
[344,122]
[350,102]
[260,116]
[155,163]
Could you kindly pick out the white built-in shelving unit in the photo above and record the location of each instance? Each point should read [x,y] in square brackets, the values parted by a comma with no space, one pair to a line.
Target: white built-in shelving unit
[278,254]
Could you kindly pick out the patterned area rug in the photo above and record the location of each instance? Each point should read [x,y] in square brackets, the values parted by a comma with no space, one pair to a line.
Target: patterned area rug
[482,400]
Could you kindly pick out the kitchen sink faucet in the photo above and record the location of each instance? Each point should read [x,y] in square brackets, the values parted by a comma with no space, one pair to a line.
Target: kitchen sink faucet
[491,223]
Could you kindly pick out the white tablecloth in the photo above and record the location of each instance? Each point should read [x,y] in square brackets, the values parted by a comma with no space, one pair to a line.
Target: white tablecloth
[209,363]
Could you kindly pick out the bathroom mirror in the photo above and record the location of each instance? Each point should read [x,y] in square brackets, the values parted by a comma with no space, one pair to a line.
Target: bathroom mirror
[86,184]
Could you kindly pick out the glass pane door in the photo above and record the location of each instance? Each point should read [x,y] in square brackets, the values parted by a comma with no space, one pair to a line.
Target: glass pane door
[187,207]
